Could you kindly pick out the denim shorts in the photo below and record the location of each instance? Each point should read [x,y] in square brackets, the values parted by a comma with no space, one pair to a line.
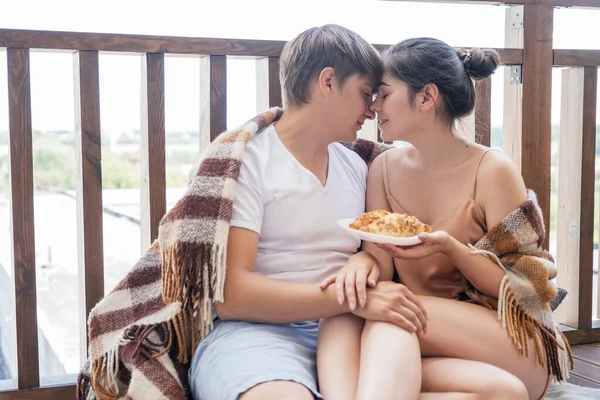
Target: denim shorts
[237,356]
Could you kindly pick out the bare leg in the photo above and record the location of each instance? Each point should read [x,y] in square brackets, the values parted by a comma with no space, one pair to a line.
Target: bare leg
[452,378]
[470,332]
[390,363]
[338,353]
[278,390]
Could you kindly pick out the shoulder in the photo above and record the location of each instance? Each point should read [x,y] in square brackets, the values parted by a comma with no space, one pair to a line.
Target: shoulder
[497,169]
[258,146]
[500,186]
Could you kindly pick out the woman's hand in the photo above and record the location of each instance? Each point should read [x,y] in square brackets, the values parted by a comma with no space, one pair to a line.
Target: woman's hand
[395,303]
[352,280]
[432,243]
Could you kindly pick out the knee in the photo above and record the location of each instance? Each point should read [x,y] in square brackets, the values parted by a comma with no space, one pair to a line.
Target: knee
[508,388]
[388,332]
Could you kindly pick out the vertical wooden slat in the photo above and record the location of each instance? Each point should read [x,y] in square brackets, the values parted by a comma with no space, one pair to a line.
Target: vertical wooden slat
[483,111]
[213,98]
[512,130]
[89,183]
[21,174]
[218,95]
[275,99]
[153,188]
[268,87]
[537,87]
[576,194]
[588,183]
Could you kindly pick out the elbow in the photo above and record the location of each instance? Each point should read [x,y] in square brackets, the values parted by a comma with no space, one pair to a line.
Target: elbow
[224,311]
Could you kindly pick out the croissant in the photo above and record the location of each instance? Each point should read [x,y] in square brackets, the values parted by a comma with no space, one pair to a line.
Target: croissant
[383,222]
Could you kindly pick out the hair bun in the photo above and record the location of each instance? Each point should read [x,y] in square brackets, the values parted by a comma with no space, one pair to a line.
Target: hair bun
[479,63]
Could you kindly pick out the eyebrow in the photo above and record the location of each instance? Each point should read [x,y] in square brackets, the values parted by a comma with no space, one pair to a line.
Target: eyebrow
[382,83]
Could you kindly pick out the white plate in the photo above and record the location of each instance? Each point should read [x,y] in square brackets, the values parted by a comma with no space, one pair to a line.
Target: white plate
[375,238]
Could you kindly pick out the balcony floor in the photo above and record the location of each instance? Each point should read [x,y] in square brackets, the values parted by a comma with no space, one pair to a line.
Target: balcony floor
[587,365]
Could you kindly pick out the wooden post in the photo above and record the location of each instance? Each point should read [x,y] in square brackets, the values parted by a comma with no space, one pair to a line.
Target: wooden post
[21,182]
[483,111]
[89,185]
[153,185]
[537,88]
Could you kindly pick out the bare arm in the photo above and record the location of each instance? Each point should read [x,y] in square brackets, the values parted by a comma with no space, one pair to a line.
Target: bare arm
[252,297]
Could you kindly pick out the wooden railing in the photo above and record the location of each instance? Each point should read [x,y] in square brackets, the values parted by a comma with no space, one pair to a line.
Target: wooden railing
[526,140]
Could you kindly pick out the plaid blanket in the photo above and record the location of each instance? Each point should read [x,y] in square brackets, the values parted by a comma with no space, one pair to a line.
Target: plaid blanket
[141,335]
[526,290]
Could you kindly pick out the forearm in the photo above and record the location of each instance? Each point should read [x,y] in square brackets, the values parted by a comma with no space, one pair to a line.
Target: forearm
[482,272]
[256,298]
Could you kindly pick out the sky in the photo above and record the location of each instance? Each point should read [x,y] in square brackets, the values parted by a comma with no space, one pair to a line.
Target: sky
[383,22]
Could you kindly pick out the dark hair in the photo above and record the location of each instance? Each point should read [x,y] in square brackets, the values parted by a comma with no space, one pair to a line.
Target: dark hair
[304,57]
[421,61]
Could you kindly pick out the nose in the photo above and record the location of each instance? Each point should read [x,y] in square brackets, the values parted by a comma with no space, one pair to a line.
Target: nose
[370,114]
[375,106]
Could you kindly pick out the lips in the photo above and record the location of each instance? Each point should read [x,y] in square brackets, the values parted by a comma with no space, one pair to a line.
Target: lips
[383,121]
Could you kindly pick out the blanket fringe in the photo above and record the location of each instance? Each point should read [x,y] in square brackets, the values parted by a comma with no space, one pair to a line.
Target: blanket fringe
[194,274]
[105,370]
[552,349]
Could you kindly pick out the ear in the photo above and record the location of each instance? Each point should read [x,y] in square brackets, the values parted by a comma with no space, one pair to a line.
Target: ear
[327,81]
[429,98]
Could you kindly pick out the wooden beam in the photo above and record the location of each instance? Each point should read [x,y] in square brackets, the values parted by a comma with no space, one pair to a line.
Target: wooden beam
[55,40]
[577,58]
[21,174]
[153,185]
[47,393]
[576,196]
[513,95]
[137,43]
[537,87]
[89,186]
[483,111]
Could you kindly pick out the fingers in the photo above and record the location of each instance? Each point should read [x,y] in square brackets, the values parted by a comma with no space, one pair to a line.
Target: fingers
[373,277]
[361,287]
[414,314]
[350,287]
[327,281]
[339,287]
[402,322]
[415,300]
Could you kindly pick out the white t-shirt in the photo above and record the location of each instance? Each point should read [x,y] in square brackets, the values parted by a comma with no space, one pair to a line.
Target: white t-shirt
[293,213]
